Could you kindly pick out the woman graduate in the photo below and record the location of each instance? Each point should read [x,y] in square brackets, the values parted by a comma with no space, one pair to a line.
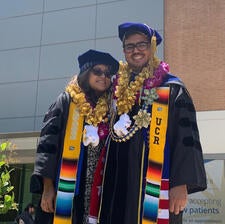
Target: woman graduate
[73,140]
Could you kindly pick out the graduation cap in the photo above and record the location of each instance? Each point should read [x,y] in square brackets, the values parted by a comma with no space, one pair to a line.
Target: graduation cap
[92,57]
[125,28]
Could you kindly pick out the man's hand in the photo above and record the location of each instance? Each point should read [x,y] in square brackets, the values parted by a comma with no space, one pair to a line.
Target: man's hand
[178,199]
[48,196]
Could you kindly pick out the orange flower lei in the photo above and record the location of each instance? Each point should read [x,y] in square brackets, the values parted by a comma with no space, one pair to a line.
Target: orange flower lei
[93,116]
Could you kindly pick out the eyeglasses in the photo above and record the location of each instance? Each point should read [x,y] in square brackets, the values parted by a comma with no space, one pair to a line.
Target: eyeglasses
[99,72]
[141,46]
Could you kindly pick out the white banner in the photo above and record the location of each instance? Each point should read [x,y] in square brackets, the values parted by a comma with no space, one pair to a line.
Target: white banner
[208,206]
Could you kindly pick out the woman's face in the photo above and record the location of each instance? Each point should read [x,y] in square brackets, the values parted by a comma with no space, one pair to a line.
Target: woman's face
[99,78]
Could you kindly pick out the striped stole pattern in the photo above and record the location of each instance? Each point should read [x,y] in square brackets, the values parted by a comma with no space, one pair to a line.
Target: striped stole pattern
[156,202]
[67,175]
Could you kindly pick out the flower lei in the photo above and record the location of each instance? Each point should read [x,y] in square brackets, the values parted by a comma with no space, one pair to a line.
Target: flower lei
[93,116]
[125,93]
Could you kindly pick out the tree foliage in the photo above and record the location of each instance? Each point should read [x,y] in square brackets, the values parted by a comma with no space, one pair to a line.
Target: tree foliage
[6,189]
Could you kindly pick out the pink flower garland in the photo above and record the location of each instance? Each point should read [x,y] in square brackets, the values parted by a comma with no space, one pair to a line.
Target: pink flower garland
[157,79]
[158,76]
[103,130]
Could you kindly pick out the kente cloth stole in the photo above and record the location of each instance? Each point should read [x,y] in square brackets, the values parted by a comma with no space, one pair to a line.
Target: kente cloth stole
[68,169]
[156,201]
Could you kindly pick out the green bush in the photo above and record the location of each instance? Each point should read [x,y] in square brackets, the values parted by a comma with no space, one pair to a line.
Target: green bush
[6,189]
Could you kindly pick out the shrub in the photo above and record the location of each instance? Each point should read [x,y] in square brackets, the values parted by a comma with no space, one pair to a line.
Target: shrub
[6,189]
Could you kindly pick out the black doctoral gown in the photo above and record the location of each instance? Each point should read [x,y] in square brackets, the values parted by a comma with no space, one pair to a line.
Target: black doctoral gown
[123,170]
[48,157]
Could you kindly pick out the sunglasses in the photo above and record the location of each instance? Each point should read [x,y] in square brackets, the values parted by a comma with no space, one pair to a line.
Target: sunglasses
[99,72]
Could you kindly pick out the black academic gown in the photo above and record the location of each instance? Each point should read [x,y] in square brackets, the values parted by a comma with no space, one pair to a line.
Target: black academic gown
[48,157]
[49,149]
[122,175]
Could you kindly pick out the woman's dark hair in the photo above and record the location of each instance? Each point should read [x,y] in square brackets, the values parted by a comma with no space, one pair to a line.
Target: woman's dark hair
[83,81]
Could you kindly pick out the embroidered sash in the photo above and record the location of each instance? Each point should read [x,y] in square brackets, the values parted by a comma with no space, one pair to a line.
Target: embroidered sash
[96,189]
[67,176]
[156,202]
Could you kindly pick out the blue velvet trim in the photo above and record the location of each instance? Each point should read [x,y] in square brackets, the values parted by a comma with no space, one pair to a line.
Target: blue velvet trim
[79,169]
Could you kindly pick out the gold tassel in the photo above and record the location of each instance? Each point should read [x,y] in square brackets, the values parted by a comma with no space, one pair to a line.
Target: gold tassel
[153,45]
[155,59]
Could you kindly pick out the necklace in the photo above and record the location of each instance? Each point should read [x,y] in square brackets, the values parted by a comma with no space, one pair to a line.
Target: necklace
[126,92]
[93,115]
[125,95]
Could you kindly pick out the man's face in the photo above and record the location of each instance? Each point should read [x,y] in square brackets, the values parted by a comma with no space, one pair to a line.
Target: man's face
[137,58]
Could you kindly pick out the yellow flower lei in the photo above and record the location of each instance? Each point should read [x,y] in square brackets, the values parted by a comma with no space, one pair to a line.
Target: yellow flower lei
[125,91]
[93,116]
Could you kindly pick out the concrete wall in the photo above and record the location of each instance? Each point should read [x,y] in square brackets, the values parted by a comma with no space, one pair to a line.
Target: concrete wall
[41,40]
